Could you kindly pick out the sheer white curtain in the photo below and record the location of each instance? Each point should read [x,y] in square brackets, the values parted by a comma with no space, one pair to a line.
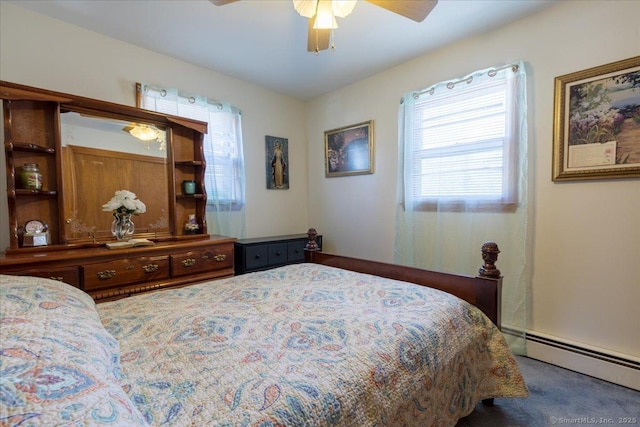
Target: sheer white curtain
[463,166]
[223,151]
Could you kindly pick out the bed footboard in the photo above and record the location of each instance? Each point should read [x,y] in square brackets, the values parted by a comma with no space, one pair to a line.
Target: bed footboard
[484,291]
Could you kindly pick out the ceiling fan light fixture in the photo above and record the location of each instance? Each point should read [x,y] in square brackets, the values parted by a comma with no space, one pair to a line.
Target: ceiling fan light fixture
[146,134]
[141,132]
[325,19]
[322,15]
[342,8]
[306,8]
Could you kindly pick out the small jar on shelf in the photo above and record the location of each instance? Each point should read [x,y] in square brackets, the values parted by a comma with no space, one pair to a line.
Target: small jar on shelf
[189,187]
[31,177]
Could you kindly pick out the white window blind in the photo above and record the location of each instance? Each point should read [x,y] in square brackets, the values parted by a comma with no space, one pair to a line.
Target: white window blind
[460,146]
[222,144]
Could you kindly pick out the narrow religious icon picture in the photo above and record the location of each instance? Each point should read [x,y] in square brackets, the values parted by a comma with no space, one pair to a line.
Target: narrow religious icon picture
[277,150]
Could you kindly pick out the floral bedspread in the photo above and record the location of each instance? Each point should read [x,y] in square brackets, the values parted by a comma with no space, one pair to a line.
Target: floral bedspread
[58,365]
[308,345]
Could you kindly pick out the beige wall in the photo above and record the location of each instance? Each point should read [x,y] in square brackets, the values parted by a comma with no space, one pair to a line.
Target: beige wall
[586,269]
[43,52]
[586,256]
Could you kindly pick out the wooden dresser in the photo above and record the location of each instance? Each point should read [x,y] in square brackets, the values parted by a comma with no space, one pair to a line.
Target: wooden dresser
[108,274]
[83,151]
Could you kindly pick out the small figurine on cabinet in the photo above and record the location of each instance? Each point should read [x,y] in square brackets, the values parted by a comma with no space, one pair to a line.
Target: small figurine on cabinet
[36,233]
[191,226]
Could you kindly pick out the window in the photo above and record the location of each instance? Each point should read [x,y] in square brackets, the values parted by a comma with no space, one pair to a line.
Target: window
[224,173]
[460,144]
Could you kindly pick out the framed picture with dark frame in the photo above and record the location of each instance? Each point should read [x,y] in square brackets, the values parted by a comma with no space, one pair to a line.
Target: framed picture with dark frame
[349,150]
[596,129]
[277,162]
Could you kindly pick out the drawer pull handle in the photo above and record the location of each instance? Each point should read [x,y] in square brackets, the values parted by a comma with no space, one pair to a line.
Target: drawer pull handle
[150,268]
[106,274]
[188,262]
[58,278]
[220,257]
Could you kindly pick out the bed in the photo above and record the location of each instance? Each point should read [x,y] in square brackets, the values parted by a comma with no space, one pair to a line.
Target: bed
[310,344]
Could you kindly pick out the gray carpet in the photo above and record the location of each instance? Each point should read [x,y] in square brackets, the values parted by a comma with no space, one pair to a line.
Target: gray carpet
[560,397]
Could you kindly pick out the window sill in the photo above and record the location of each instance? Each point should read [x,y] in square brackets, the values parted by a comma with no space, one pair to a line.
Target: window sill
[224,205]
[464,206]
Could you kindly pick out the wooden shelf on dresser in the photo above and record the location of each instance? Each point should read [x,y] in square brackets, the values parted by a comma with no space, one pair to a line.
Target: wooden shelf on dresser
[262,253]
[108,274]
[75,142]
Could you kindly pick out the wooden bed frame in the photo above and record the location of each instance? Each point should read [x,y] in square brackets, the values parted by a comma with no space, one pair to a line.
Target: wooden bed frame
[484,291]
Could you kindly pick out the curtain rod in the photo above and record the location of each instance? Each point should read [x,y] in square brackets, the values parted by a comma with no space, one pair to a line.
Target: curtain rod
[450,85]
[190,98]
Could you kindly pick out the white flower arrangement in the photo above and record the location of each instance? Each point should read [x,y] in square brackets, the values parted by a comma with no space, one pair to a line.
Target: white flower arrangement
[125,201]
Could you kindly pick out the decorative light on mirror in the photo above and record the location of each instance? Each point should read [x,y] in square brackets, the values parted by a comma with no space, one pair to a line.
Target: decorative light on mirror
[146,134]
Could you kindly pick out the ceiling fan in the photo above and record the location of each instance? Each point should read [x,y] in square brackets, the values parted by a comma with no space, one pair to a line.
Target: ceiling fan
[322,13]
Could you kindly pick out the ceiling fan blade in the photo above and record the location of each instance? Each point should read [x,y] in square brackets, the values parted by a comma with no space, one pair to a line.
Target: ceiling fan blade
[416,10]
[222,2]
[317,40]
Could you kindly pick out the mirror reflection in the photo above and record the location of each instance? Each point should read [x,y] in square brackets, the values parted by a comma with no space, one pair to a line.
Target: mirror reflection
[101,156]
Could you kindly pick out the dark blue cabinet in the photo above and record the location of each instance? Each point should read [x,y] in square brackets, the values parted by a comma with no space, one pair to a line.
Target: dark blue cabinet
[262,253]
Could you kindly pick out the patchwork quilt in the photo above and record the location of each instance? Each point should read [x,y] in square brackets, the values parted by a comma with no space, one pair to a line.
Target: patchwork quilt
[301,345]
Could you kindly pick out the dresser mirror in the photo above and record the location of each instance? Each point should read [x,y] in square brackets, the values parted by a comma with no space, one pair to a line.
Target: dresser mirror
[101,156]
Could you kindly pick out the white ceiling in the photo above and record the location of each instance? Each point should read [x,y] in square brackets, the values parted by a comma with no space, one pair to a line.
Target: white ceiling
[264,41]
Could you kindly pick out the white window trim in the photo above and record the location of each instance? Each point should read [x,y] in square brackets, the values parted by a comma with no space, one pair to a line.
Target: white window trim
[507,201]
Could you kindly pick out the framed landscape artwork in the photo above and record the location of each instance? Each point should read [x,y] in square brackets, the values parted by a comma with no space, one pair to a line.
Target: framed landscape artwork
[349,150]
[277,166]
[596,130]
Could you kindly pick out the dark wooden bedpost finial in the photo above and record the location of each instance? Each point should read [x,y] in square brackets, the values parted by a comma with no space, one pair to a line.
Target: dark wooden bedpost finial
[311,244]
[490,253]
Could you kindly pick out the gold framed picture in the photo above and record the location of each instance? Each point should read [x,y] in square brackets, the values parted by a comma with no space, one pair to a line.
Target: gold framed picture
[596,129]
[349,150]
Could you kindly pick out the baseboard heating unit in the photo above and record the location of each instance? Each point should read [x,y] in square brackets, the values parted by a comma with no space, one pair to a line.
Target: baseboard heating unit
[600,363]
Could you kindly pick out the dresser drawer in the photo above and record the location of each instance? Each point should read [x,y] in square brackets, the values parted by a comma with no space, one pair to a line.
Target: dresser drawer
[63,274]
[295,251]
[256,257]
[277,253]
[214,258]
[124,271]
